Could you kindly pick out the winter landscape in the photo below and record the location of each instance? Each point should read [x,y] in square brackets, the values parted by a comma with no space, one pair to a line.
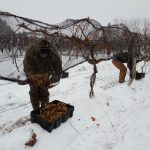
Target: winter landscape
[85,34]
[117,118]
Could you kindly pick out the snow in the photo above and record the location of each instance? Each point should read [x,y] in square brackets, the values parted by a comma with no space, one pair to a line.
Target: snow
[122,112]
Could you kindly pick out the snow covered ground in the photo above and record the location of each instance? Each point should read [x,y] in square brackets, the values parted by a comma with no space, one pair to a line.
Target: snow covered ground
[121,112]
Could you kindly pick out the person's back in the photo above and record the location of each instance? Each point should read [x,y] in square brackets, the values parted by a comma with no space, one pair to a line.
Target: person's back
[124,57]
[121,57]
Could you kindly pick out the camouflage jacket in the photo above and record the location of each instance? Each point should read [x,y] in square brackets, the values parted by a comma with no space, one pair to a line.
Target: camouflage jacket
[34,64]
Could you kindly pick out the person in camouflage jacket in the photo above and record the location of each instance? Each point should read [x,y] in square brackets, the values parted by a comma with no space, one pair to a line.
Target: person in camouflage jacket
[43,67]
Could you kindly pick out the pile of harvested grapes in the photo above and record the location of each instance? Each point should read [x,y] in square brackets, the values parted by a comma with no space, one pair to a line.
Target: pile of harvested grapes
[51,111]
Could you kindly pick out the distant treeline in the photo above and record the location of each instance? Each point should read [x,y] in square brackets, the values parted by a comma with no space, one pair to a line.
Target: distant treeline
[4,27]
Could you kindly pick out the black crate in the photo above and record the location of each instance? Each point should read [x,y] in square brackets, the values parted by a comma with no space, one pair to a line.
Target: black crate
[140,75]
[49,126]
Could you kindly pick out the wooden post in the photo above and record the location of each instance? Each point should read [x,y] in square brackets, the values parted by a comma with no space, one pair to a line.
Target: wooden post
[133,63]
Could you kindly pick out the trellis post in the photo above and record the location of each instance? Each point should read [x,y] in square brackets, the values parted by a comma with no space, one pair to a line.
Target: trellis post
[133,63]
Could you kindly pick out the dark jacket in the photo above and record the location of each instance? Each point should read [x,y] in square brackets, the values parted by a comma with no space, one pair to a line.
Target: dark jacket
[123,58]
[35,64]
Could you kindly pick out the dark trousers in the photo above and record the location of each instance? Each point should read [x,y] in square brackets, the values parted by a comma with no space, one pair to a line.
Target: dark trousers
[122,68]
[38,96]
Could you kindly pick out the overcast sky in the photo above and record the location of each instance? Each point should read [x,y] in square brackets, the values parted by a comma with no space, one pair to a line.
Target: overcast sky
[56,11]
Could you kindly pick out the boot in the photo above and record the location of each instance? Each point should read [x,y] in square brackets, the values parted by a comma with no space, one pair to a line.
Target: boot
[43,103]
[35,104]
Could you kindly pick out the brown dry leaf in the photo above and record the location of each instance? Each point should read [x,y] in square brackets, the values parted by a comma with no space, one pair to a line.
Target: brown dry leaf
[93,118]
[31,142]
[97,125]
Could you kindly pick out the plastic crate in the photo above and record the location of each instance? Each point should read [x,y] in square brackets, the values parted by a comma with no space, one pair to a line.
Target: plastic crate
[49,126]
[140,75]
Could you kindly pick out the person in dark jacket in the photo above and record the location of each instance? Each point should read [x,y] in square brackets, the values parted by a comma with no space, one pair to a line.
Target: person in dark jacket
[118,61]
[43,67]
[123,57]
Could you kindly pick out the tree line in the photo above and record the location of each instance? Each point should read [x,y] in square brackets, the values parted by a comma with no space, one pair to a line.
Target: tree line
[4,27]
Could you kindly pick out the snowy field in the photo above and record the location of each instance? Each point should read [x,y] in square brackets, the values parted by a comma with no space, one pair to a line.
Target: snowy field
[121,112]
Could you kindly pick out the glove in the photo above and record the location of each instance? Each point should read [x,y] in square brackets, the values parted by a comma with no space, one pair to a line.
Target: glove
[40,80]
[55,79]
[23,82]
